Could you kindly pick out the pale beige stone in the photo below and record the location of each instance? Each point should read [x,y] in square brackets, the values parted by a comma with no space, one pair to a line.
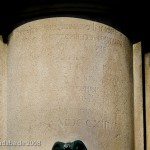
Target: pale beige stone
[70,79]
[147,96]
[3,102]
[1,126]
[1,91]
[138,97]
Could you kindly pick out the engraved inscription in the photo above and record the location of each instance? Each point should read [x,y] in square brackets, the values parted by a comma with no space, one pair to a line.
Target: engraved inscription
[89,123]
[73,77]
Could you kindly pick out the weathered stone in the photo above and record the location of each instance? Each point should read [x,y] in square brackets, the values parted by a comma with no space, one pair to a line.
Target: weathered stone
[70,79]
[147,97]
[3,102]
[138,97]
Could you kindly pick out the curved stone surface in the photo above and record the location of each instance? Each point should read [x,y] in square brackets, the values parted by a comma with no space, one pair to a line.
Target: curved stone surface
[70,79]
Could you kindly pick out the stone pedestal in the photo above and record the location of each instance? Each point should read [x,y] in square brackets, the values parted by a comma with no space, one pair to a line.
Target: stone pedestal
[70,79]
[147,97]
[138,97]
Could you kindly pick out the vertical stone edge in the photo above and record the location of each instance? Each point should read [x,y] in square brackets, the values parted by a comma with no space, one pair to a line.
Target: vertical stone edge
[3,94]
[147,98]
[138,97]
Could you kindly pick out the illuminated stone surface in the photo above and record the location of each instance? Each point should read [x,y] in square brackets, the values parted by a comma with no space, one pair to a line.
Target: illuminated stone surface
[147,96]
[70,79]
[2,93]
[138,97]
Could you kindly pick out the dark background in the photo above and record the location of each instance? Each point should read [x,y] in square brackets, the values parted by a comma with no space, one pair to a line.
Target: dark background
[128,16]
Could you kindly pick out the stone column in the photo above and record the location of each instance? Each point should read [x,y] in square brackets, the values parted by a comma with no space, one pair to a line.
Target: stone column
[138,97]
[3,108]
[70,79]
[147,97]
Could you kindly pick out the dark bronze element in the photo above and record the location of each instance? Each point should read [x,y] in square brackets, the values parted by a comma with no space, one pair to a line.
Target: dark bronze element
[76,145]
